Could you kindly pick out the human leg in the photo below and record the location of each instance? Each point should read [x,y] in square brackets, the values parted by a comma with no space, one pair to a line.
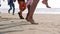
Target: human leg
[31,10]
[10,8]
[13,8]
[46,3]
[22,7]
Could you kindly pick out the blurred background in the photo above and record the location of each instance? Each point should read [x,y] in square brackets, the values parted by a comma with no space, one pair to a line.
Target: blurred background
[41,8]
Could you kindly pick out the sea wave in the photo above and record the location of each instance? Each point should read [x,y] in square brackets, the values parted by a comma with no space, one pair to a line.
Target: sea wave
[37,11]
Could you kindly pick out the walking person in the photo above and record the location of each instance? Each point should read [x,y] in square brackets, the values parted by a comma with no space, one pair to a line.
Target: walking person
[22,7]
[11,4]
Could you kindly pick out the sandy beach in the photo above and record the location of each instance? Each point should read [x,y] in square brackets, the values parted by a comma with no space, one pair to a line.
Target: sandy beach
[47,24]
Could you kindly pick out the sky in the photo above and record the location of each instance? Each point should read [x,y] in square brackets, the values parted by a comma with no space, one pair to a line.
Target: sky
[52,3]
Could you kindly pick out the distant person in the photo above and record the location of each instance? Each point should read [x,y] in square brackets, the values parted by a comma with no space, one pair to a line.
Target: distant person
[11,4]
[46,3]
[22,7]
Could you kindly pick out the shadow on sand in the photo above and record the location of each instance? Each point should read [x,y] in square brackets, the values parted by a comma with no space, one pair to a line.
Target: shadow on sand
[7,19]
[4,32]
[5,26]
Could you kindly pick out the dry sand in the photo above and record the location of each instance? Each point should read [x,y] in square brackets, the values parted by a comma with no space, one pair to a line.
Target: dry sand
[48,24]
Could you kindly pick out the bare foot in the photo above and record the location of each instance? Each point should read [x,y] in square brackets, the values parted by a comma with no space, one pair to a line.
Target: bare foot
[46,4]
[31,21]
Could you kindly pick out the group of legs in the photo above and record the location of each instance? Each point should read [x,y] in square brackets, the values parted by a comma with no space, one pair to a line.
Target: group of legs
[31,9]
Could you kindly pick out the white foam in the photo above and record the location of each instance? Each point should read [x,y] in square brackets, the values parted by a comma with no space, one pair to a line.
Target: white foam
[37,11]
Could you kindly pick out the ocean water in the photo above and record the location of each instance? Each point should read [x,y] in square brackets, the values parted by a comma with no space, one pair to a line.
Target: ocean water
[37,11]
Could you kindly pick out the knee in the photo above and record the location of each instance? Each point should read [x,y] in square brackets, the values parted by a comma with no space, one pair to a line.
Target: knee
[22,9]
[10,7]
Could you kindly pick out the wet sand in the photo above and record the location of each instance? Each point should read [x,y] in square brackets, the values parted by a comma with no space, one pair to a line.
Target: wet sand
[48,24]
